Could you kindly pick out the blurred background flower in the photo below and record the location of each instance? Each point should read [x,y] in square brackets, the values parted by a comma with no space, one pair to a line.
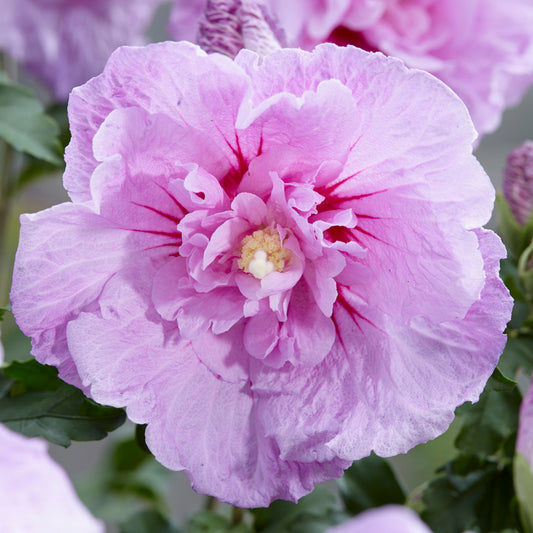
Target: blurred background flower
[65,42]
[36,494]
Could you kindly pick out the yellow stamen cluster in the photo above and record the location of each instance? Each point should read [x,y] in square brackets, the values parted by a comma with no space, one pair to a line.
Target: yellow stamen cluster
[262,253]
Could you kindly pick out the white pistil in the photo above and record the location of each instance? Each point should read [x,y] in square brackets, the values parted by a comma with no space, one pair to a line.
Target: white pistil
[259,266]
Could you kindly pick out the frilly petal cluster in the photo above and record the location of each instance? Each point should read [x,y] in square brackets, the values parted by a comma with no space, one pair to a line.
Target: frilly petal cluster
[66,42]
[37,495]
[276,263]
[482,49]
[524,440]
[390,518]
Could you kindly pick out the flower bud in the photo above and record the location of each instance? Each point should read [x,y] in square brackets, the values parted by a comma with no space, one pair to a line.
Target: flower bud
[227,26]
[518,181]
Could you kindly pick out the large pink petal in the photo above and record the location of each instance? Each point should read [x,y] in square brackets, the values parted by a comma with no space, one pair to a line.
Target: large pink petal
[66,255]
[303,408]
[428,130]
[415,375]
[286,119]
[128,359]
[385,386]
[152,78]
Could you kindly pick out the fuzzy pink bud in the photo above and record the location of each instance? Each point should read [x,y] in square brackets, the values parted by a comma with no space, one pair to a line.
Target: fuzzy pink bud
[518,181]
[227,26]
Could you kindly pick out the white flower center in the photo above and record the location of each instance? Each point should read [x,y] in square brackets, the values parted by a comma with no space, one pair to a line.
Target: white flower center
[260,266]
[262,253]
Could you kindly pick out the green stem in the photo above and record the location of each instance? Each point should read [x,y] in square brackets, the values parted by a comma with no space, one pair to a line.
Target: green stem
[5,175]
[210,503]
[237,515]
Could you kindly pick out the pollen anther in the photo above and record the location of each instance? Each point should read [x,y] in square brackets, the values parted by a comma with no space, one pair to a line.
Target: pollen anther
[262,253]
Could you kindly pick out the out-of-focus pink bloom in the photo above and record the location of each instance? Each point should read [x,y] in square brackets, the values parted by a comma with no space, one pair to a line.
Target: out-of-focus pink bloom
[388,519]
[518,181]
[276,263]
[66,42]
[36,494]
[524,441]
[483,49]
[184,17]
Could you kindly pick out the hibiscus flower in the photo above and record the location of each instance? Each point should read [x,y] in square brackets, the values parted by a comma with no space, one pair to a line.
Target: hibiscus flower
[276,263]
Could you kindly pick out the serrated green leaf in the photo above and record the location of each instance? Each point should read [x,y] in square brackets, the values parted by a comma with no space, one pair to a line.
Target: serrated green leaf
[35,168]
[39,404]
[489,423]
[482,500]
[148,521]
[25,126]
[523,482]
[32,376]
[370,482]
[314,513]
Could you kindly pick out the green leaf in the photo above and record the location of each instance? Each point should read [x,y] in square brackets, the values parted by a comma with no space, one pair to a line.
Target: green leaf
[148,521]
[370,482]
[500,382]
[482,500]
[31,376]
[515,236]
[210,522]
[39,404]
[25,126]
[5,385]
[315,513]
[523,482]
[35,168]
[518,355]
[3,311]
[510,230]
[489,423]
[511,278]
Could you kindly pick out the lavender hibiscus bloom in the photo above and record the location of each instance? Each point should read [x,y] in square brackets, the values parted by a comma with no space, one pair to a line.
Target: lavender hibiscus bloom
[277,264]
[389,519]
[37,495]
[66,42]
